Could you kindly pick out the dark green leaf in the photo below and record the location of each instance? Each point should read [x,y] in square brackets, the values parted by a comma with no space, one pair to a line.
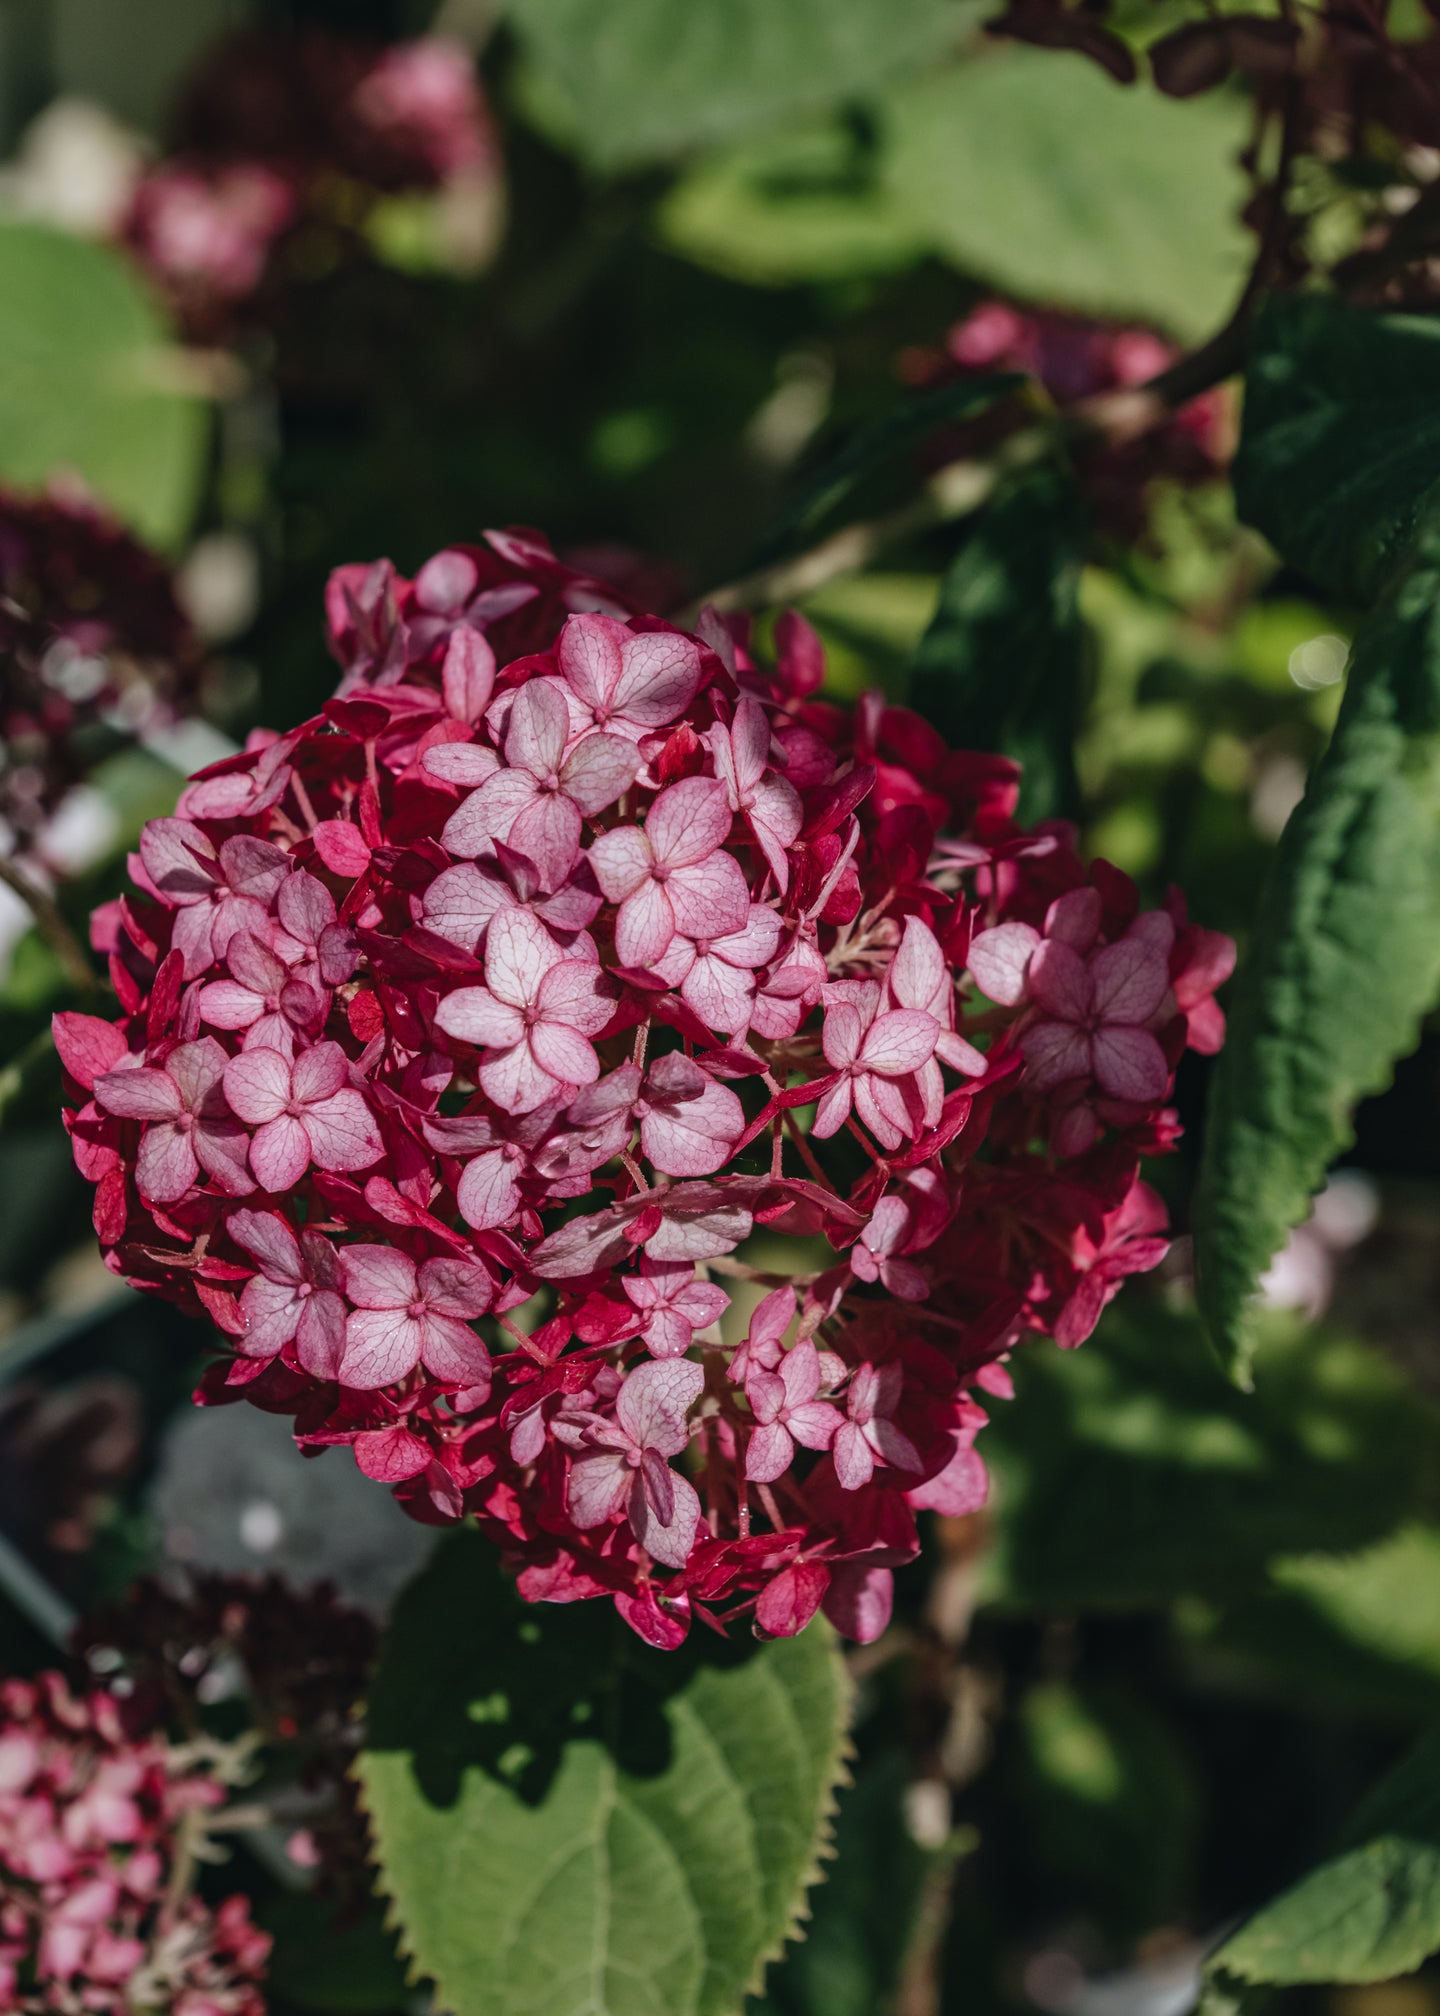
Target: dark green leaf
[826,496]
[564,1818]
[1339,452]
[863,1914]
[86,383]
[653,79]
[1372,1911]
[1344,961]
[1043,177]
[999,667]
[323,1961]
[1131,1472]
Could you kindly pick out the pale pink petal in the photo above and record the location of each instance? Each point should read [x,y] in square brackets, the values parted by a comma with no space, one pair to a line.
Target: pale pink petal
[538,729]
[138,1092]
[1055,1053]
[667,1538]
[468,679]
[775,817]
[702,1304]
[654,1401]
[452,1351]
[488,814]
[689,821]
[254,868]
[959,1055]
[489,1191]
[1000,961]
[662,671]
[165,1168]
[1129,1064]
[1060,981]
[720,994]
[319,1073]
[225,1004]
[622,861]
[515,1080]
[460,902]
[853,1457]
[254,965]
[597,1488]
[918,976]
[547,833]
[257,1085]
[221,1147]
[694,1137]
[590,658]
[268,1238]
[769,1453]
[473,1015]
[343,1132]
[378,1277]
[754,945]
[320,1335]
[280,1152]
[899,1041]
[1129,980]
[709,899]
[815,1423]
[381,1346]
[598,771]
[177,857]
[799,1372]
[833,1108]
[464,763]
[668,1334]
[564,1053]
[841,1035]
[880,1106]
[644,926]
[519,952]
[271,1312]
[197,1069]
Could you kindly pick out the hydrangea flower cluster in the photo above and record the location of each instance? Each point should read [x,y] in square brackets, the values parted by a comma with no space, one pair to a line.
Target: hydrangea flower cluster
[94,649]
[283,133]
[89,1820]
[471,1028]
[1076,357]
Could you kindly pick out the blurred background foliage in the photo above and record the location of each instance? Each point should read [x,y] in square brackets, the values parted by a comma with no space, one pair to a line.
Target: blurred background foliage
[1139,1694]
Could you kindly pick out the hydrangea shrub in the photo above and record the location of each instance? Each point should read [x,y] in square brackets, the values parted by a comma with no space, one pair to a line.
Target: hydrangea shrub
[472,1028]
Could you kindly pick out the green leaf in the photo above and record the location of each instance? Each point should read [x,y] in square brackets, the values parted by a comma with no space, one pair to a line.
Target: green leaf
[651,80]
[1371,1911]
[83,364]
[1042,177]
[999,667]
[791,207]
[1132,1472]
[1341,439]
[1343,963]
[833,490]
[566,1819]
[1355,1633]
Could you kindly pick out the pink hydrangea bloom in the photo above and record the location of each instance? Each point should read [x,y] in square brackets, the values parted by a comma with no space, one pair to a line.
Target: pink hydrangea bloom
[513,981]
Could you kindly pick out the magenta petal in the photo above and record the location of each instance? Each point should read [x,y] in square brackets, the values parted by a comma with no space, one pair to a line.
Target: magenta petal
[1130,980]
[1129,1064]
[320,1335]
[1055,1053]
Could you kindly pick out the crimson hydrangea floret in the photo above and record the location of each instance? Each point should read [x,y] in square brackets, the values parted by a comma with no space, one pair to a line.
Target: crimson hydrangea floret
[472,1028]
[90,1816]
